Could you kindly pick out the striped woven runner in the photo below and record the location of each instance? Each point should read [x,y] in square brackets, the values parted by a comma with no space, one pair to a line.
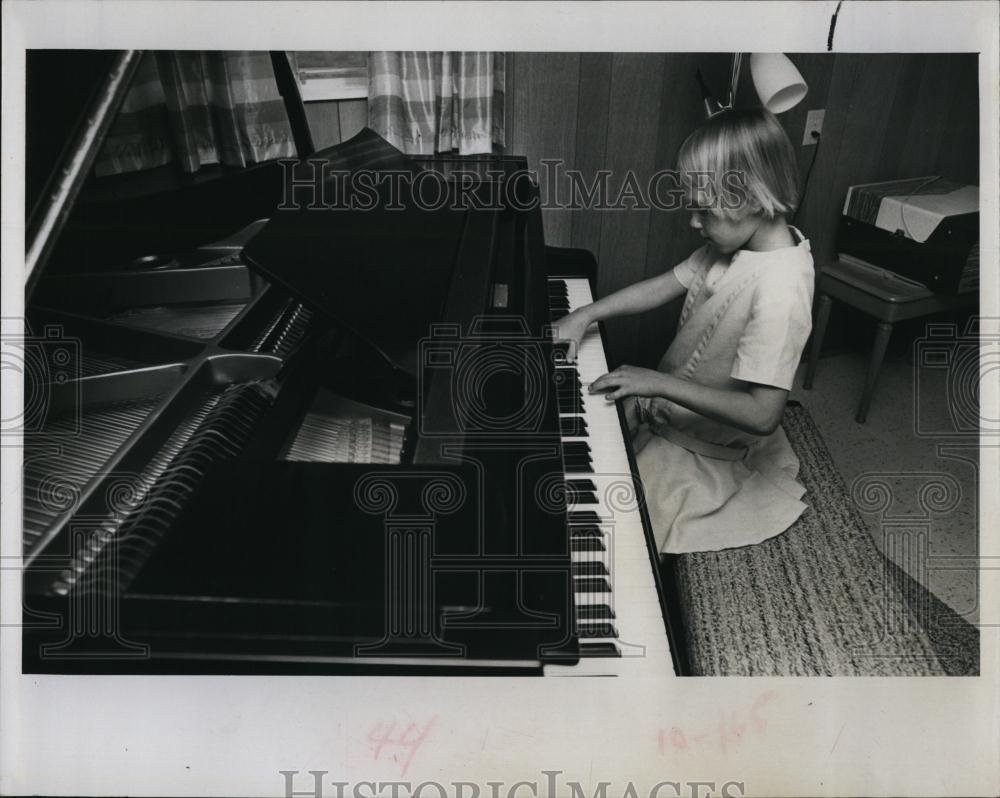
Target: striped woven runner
[819,599]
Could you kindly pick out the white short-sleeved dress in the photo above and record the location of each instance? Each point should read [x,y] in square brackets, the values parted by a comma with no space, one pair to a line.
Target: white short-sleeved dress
[708,485]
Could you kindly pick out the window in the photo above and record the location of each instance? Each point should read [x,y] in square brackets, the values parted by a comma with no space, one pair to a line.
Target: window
[325,75]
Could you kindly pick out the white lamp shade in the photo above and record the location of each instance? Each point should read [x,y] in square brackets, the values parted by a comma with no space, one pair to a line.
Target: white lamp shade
[778,83]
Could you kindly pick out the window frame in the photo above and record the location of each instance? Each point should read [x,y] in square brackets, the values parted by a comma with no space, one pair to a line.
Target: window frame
[323,84]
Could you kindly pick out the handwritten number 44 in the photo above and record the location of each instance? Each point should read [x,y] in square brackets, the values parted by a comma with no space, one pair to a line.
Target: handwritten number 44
[384,738]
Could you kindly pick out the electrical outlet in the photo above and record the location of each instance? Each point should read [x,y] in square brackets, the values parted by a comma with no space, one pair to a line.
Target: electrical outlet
[814,123]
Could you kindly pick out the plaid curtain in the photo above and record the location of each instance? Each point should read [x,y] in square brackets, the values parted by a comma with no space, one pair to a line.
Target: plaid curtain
[424,102]
[198,108]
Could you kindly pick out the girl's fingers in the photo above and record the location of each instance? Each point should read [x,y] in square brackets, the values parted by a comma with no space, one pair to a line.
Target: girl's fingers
[572,344]
[606,381]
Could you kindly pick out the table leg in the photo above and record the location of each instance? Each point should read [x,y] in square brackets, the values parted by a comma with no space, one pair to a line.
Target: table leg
[822,317]
[878,352]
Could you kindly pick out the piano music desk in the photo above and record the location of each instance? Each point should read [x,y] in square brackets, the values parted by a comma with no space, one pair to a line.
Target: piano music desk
[879,293]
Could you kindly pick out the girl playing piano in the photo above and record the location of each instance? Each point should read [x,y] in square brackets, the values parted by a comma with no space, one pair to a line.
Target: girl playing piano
[717,468]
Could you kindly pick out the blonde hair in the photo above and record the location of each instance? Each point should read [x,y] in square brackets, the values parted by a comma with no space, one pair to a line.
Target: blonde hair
[741,159]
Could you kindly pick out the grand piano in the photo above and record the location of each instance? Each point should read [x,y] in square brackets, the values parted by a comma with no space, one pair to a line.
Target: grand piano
[318,424]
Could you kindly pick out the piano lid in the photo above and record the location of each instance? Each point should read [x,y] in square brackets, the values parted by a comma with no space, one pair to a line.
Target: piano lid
[352,243]
[49,207]
[79,222]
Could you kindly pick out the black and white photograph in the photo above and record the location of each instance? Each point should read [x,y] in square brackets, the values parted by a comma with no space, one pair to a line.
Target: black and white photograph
[475,421]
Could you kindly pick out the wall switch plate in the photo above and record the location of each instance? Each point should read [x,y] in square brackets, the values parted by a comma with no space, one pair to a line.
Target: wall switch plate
[814,122]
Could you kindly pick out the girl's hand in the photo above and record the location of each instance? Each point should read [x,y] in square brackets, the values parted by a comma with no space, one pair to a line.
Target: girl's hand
[570,329]
[629,381]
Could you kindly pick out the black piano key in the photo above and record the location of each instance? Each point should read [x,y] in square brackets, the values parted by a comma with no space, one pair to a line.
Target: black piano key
[585,532]
[584,517]
[595,612]
[572,427]
[591,584]
[577,447]
[599,650]
[579,466]
[590,568]
[568,405]
[564,376]
[586,544]
[596,630]
[581,497]
[581,484]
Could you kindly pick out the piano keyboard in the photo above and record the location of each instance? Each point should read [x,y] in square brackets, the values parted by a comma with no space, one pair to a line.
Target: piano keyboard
[618,612]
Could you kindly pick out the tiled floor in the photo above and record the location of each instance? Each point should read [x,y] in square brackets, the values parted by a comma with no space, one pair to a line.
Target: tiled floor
[908,468]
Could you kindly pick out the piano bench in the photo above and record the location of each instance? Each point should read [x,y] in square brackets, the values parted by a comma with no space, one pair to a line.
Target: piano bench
[884,295]
[819,599]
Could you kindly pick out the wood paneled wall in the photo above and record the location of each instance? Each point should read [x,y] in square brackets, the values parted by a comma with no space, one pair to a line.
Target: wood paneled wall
[887,116]
[619,112]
